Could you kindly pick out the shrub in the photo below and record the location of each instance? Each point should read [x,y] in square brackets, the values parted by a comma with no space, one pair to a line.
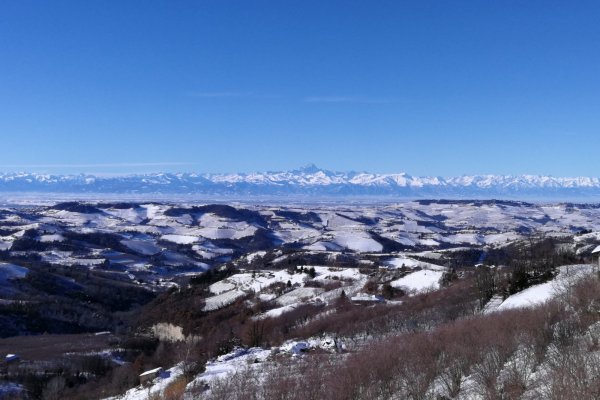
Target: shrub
[175,390]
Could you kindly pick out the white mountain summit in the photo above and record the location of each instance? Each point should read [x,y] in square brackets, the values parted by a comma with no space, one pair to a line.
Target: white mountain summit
[311,181]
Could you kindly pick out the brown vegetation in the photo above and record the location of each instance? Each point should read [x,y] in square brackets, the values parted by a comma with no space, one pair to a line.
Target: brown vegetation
[498,352]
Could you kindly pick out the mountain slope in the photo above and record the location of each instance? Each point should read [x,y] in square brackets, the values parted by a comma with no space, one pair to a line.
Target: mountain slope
[310,181]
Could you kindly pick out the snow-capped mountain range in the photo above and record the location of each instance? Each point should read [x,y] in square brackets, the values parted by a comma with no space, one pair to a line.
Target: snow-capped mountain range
[310,181]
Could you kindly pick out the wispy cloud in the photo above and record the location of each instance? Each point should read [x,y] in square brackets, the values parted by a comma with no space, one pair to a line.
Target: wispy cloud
[307,99]
[346,99]
[99,165]
[212,95]
[232,95]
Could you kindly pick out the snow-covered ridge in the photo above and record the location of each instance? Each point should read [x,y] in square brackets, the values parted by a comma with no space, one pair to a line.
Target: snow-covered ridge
[309,180]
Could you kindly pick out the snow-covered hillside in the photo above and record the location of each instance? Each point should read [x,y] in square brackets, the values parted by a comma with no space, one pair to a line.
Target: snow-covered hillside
[254,288]
[534,295]
[144,241]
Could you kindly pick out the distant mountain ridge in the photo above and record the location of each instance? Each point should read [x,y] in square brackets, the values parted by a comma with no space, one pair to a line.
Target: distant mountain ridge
[309,181]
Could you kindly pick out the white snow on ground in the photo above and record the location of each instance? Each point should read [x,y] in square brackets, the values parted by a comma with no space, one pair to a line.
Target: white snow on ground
[227,233]
[298,295]
[252,256]
[501,238]
[179,260]
[214,227]
[222,300]
[221,287]
[210,251]
[185,219]
[428,242]
[255,357]
[432,255]
[19,234]
[5,245]
[66,258]
[295,347]
[70,218]
[291,232]
[364,297]
[407,262]
[407,239]
[260,280]
[419,281]
[145,247]
[529,297]
[357,241]
[333,220]
[351,278]
[414,227]
[230,363]
[133,215]
[51,238]
[153,391]
[229,289]
[355,288]
[87,261]
[180,239]
[145,229]
[327,273]
[267,296]
[323,246]
[11,271]
[153,210]
[568,275]
[493,304]
[277,312]
[280,259]
[468,238]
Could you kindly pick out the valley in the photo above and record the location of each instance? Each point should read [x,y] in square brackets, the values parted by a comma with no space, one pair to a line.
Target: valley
[206,291]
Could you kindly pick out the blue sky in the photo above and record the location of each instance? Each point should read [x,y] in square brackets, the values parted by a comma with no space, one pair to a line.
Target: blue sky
[426,87]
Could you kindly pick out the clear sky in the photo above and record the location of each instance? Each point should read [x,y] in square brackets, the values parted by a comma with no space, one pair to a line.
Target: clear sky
[426,87]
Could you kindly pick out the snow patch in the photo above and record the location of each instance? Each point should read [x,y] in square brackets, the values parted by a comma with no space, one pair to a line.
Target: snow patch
[419,281]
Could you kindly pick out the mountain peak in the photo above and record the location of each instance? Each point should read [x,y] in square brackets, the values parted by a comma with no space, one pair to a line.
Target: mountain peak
[311,180]
[310,169]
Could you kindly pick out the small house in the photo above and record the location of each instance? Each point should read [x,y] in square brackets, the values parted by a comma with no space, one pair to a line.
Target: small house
[596,252]
[363,298]
[149,376]
[11,358]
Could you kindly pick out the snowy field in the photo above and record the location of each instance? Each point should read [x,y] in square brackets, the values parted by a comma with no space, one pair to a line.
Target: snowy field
[537,294]
[419,281]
